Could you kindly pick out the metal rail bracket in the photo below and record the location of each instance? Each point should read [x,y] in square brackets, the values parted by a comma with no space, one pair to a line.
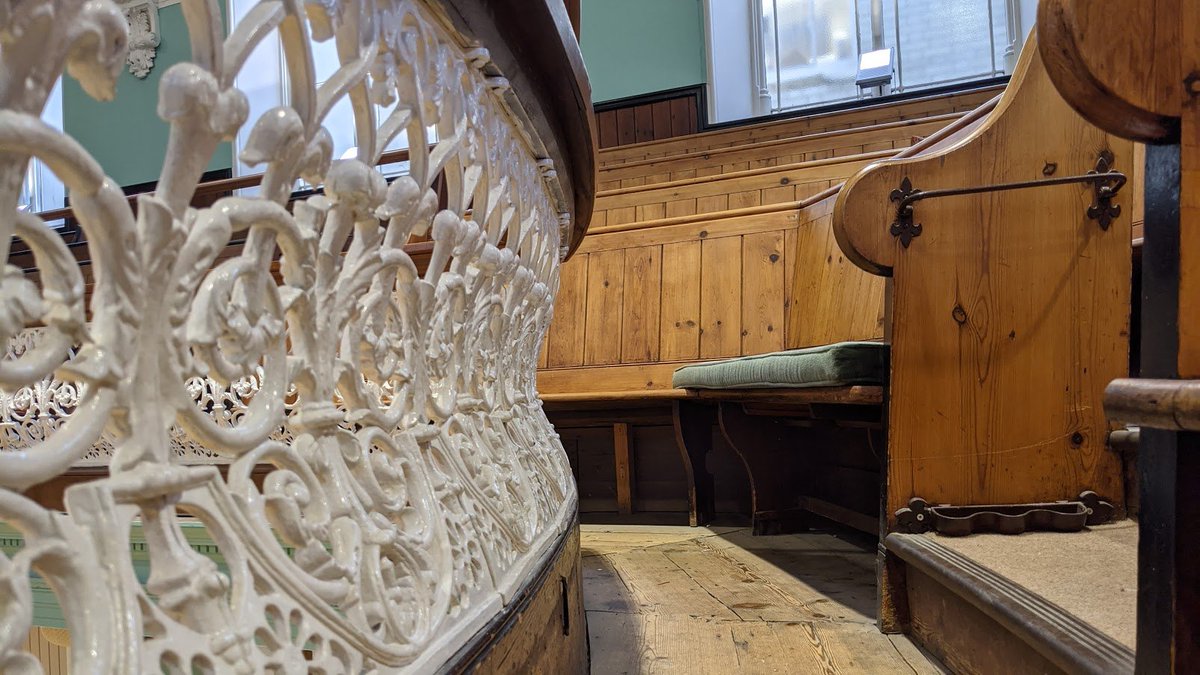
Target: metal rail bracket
[1105,182]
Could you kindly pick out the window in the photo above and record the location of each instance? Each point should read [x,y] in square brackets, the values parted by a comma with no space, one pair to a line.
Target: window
[811,47]
[806,52]
[265,83]
[42,190]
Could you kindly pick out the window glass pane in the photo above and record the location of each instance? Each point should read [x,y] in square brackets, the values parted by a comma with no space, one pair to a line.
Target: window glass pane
[810,49]
[818,52]
[944,41]
[260,80]
[325,59]
[340,124]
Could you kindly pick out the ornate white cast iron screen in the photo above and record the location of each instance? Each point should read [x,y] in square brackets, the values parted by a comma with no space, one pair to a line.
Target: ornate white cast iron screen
[412,481]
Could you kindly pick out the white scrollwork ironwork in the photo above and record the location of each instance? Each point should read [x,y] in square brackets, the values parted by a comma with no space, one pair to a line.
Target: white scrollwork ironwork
[390,479]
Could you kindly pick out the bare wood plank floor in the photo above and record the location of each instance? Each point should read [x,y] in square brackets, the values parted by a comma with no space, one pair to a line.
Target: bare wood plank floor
[663,599]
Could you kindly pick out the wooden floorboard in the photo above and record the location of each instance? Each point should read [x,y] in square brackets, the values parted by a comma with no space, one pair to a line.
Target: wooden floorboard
[699,600]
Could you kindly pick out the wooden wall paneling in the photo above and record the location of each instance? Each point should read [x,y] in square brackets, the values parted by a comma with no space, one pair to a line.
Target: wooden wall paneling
[565,338]
[596,473]
[791,238]
[606,123]
[726,184]
[763,282]
[744,199]
[660,112]
[712,203]
[648,118]
[679,327]
[642,288]
[626,126]
[618,216]
[780,194]
[643,118]
[605,285]
[682,121]
[720,297]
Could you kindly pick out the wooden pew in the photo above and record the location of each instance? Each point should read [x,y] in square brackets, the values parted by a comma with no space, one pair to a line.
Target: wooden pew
[1141,82]
[923,106]
[743,157]
[1007,314]
[713,194]
[643,298]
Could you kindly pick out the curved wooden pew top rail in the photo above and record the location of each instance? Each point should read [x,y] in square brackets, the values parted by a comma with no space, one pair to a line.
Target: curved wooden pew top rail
[287,443]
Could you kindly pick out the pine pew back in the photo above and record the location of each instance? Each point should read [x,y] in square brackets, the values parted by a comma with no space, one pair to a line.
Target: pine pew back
[798,126]
[635,304]
[713,194]
[808,147]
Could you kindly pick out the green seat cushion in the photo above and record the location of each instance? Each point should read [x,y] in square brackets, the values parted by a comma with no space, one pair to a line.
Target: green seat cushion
[835,365]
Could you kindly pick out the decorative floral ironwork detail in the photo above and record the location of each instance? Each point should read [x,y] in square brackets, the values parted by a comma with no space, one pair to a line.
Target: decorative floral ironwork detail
[412,481]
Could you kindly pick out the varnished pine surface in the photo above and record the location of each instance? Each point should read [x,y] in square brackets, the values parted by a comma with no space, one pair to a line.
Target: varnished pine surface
[1009,312]
[701,600]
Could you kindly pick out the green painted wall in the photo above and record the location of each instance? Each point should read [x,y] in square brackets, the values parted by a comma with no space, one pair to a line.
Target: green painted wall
[126,135]
[633,47]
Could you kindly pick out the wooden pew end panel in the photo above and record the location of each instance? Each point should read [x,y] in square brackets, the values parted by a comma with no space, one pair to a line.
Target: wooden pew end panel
[1008,310]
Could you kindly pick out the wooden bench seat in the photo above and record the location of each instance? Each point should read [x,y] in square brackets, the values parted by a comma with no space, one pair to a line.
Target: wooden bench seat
[790,150]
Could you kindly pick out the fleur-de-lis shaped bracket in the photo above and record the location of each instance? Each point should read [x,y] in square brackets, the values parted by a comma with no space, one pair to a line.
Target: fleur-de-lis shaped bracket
[904,227]
[1102,210]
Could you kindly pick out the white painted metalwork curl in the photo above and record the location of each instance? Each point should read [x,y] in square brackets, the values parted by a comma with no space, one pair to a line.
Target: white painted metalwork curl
[376,418]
